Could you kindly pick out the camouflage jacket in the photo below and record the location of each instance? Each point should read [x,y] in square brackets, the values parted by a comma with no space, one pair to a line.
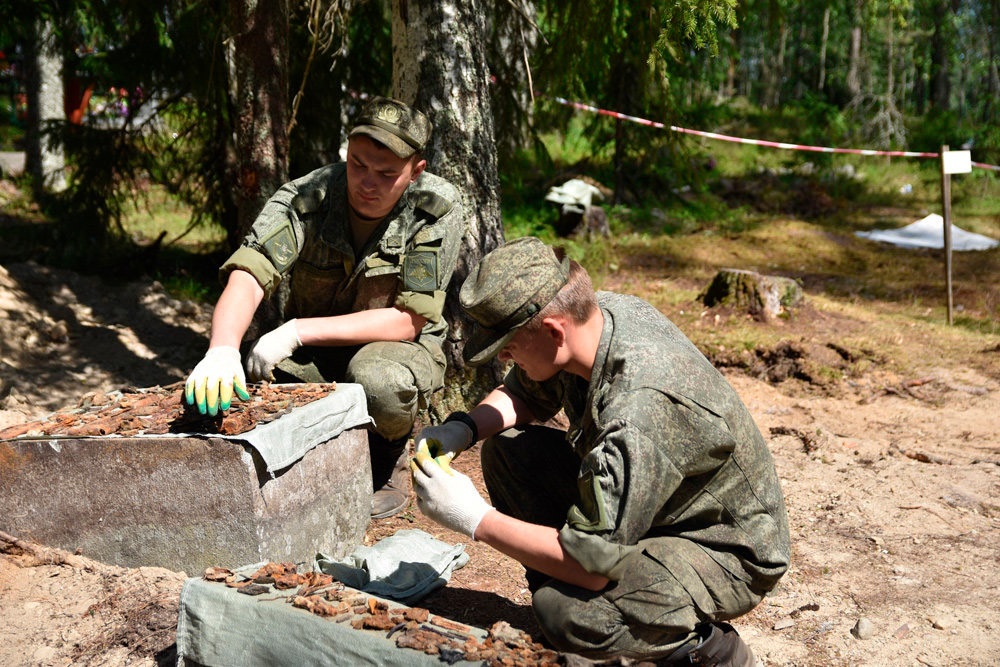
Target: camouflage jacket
[666,448]
[302,235]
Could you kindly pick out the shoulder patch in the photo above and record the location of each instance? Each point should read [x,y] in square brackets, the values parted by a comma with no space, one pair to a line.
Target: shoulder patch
[420,271]
[432,203]
[280,247]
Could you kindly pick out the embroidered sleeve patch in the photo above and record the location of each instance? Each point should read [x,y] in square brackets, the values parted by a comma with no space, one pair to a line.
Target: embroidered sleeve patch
[420,271]
[280,247]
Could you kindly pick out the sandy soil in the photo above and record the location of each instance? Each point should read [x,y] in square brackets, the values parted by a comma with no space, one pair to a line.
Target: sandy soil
[892,485]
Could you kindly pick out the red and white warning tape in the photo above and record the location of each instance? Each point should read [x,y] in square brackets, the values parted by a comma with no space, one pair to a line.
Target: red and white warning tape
[755,142]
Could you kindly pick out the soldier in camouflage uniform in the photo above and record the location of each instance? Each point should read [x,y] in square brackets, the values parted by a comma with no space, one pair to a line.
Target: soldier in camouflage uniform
[657,516]
[367,249]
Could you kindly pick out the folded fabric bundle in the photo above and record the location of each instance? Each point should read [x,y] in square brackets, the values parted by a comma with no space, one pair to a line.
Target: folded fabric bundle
[405,567]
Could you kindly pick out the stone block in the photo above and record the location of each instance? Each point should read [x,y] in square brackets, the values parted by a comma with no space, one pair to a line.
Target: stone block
[186,502]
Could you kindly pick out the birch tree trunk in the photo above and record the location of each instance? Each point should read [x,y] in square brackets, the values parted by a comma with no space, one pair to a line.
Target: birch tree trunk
[822,49]
[439,66]
[258,70]
[854,64]
[43,160]
[853,79]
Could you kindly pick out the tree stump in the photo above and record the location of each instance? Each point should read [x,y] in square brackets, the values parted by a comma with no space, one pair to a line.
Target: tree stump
[589,225]
[762,296]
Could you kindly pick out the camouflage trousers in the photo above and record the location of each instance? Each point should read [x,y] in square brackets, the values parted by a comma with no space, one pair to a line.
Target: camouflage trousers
[398,378]
[668,584]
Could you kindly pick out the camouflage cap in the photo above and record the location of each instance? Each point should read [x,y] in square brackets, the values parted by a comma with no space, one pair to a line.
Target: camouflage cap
[505,290]
[390,122]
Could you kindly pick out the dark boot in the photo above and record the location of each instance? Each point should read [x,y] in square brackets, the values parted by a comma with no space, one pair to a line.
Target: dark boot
[390,475]
[721,646]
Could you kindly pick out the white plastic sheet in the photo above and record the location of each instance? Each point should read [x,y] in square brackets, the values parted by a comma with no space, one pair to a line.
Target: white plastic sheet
[929,233]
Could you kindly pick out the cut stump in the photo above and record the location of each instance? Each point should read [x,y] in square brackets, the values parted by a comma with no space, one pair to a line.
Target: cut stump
[764,297]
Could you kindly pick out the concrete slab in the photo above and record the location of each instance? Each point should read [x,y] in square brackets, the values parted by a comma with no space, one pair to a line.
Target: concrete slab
[185,503]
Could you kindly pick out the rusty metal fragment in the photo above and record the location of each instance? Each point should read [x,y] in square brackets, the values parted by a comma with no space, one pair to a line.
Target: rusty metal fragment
[217,574]
[159,410]
[411,628]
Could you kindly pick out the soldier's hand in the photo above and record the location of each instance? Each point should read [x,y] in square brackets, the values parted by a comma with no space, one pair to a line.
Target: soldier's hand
[447,496]
[446,440]
[271,349]
[212,382]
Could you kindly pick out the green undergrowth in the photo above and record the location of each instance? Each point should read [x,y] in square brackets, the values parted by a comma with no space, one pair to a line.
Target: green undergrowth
[796,214]
[774,211]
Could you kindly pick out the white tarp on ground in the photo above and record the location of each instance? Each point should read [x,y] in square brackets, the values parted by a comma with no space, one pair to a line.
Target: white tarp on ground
[929,233]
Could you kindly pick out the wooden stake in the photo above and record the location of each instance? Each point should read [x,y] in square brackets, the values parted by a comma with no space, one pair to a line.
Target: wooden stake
[946,214]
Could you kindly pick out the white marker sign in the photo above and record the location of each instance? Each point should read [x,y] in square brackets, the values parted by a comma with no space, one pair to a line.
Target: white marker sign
[957,162]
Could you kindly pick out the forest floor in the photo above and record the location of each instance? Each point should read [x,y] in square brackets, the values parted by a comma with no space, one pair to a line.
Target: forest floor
[884,430]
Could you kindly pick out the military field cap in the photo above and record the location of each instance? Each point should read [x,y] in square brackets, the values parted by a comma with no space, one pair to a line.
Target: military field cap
[506,289]
[390,122]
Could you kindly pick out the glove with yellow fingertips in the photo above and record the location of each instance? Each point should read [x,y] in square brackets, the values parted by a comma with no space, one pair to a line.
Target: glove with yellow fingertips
[446,495]
[446,440]
[212,382]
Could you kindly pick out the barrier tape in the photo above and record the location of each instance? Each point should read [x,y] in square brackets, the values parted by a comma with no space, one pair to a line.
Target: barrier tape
[755,142]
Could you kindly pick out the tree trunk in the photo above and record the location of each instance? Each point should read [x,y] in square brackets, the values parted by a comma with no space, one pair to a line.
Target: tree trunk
[919,86]
[513,39]
[800,54]
[991,110]
[890,77]
[772,64]
[854,64]
[940,83]
[439,66]
[822,48]
[779,65]
[44,160]
[730,89]
[258,69]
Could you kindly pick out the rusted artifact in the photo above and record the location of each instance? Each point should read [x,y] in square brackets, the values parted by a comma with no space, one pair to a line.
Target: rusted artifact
[409,627]
[158,410]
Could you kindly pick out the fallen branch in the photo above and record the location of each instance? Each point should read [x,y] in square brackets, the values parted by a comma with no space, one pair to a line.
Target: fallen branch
[809,444]
[47,554]
[922,457]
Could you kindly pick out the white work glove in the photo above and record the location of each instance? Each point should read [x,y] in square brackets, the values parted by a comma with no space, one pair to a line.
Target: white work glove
[271,349]
[447,496]
[210,385]
[448,439]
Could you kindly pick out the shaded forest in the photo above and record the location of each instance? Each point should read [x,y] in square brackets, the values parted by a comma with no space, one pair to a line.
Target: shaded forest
[220,102]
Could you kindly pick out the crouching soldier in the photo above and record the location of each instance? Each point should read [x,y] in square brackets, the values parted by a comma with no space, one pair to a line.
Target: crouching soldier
[657,516]
[367,248]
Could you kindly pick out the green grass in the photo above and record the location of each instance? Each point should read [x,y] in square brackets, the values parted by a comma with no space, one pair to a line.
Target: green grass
[156,212]
[668,243]
[873,297]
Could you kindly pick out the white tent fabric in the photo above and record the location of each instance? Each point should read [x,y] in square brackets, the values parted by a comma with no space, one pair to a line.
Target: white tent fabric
[929,233]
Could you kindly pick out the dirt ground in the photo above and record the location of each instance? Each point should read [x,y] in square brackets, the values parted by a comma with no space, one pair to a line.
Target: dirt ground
[892,483]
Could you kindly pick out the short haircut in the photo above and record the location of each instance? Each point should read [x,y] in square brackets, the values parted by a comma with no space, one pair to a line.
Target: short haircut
[576,299]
